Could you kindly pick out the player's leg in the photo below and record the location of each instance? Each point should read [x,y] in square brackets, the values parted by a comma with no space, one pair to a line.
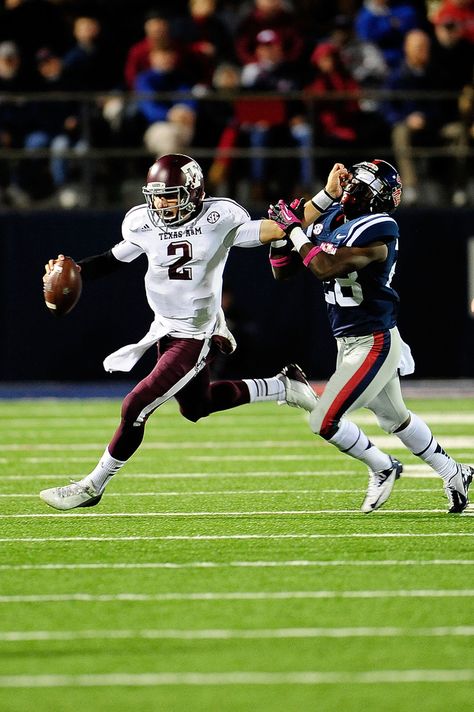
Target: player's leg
[394,417]
[179,361]
[201,397]
[364,366]
[289,386]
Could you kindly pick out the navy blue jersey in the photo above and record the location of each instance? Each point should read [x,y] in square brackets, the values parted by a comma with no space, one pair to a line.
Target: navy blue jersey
[363,301]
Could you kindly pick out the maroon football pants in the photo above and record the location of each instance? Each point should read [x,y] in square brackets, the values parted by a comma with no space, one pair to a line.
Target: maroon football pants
[182,364]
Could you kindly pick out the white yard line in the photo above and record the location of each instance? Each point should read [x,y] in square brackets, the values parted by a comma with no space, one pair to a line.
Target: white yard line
[251,513]
[199,493]
[237,678]
[190,475]
[414,472]
[234,596]
[233,537]
[231,493]
[237,564]
[390,441]
[263,513]
[166,445]
[229,419]
[15,636]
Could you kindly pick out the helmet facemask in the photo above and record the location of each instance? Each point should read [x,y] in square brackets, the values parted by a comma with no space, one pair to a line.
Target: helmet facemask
[375,187]
[357,199]
[176,178]
[172,214]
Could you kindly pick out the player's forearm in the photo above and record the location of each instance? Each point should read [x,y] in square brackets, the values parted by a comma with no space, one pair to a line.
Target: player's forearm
[316,206]
[270,231]
[326,261]
[99,265]
[284,261]
[331,192]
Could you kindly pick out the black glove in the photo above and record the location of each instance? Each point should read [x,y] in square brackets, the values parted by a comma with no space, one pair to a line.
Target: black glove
[297,206]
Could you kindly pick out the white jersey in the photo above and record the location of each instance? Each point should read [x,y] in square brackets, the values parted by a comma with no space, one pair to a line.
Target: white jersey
[186,262]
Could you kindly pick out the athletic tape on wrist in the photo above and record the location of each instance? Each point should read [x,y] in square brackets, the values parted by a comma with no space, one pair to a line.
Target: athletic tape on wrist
[279,243]
[298,238]
[322,200]
[312,253]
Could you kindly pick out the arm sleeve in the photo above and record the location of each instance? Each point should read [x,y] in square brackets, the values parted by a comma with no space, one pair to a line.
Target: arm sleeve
[247,234]
[110,261]
[99,265]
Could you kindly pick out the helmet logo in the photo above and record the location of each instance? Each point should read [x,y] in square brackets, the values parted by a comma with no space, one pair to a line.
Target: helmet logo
[193,174]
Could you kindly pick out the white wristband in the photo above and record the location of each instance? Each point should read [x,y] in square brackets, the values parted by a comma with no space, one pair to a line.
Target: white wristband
[298,238]
[322,200]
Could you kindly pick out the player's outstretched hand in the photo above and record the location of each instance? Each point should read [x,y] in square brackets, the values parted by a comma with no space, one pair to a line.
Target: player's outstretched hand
[338,177]
[285,216]
[297,206]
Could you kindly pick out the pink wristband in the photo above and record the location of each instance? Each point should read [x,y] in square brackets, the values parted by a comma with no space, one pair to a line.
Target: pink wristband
[312,253]
[280,261]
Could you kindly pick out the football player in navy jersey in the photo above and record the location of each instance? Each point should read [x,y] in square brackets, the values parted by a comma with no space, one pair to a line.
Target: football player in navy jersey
[186,238]
[350,243]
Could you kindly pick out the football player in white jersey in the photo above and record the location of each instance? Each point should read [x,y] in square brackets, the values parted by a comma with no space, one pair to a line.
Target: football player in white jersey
[351,245]
[186,238]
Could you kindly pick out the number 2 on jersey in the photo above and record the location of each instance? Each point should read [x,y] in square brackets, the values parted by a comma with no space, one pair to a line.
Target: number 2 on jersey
[177,269]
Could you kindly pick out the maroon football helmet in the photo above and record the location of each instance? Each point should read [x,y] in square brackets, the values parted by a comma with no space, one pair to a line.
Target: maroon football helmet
[174,176]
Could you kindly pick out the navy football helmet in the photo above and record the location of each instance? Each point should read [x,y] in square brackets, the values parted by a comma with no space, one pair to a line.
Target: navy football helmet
[375,187]
[174,177]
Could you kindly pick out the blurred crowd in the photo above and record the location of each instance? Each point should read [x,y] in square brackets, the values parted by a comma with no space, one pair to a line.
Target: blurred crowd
[343,79]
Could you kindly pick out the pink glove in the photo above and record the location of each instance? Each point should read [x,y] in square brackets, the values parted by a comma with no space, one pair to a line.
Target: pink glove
[285,216]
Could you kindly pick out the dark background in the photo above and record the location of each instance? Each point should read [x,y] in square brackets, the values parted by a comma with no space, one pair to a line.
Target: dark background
[275,323]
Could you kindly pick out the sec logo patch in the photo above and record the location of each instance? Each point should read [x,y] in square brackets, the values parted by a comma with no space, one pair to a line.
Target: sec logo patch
[213,217]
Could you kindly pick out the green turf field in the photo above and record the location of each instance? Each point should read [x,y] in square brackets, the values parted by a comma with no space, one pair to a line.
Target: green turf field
[228,568]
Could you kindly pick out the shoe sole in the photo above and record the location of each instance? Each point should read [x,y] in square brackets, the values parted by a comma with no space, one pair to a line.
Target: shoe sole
[91,502]
[88,503]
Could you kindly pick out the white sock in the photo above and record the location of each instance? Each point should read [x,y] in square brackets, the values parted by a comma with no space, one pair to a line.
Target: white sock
[265,389]
[351,440]
[103,471]
[418,438]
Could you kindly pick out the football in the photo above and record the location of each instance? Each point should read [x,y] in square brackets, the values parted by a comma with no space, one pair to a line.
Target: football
[62,287]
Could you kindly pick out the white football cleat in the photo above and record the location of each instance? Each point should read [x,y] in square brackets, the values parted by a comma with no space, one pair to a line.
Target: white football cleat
[380,486]
[298,392]
[71,496]
[457,489]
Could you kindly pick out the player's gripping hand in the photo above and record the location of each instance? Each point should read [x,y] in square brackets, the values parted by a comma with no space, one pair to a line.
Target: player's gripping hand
[49,266]
[285,215]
